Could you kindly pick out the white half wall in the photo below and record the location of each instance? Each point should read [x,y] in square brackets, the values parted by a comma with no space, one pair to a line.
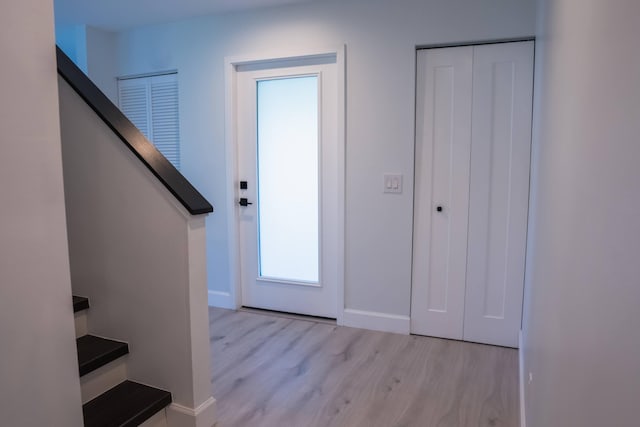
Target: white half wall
[380,37]
[139,257]
[581,325]
[39,382]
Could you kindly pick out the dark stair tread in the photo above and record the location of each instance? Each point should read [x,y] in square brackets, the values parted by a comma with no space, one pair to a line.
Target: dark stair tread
[80,303]
[94,352]
[127,404]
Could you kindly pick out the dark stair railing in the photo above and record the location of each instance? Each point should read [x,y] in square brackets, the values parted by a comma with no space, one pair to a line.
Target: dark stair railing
[172,179]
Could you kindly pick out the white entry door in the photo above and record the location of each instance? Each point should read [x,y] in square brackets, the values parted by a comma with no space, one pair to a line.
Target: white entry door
[288,185]
[472,189]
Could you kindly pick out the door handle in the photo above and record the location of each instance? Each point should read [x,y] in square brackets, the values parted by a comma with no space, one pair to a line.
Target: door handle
[439,208]
[244,202]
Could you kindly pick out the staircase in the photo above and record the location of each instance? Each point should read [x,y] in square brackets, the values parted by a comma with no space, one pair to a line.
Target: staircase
[109,399]
[136,227]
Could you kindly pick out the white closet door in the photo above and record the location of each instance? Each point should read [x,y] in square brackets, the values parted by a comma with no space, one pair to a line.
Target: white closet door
[499,192]
[441,191]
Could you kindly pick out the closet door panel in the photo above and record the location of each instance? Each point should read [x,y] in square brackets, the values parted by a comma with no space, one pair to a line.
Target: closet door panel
[499,192]
[441,191]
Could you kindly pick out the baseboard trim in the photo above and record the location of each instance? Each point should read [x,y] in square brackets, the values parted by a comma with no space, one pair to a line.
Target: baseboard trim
[202,416]
[376,321]
[523,418]
[221,299]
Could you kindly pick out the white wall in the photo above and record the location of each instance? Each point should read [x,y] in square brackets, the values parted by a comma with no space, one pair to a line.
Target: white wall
[94,51]
[39,382]
[72,39]
[581,328]
[380,37]
[101,50]
[138,255]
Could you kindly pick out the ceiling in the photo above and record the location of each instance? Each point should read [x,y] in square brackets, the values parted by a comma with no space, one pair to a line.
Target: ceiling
[115,15]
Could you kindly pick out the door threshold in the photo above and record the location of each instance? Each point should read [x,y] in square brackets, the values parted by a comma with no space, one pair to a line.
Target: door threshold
[286,315]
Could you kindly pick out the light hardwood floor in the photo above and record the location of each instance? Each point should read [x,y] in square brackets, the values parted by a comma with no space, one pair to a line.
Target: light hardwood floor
[277,372]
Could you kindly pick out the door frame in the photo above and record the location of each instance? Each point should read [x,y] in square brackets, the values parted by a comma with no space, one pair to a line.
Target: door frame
[233,298]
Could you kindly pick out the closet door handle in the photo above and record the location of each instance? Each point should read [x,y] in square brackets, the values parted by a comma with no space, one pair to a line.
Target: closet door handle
[439,208]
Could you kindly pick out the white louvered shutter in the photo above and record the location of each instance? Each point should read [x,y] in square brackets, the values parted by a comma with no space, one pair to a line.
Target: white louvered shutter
[133,98]
[164,117]
[151,103]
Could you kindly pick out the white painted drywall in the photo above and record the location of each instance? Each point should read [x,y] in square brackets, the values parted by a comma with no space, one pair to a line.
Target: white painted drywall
[39,382]
[94,51]
[72,39]
[101,49]
[138,255]
[380,38]
[581,325]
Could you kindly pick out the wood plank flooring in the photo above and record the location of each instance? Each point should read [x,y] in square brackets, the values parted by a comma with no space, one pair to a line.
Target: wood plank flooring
[277,372]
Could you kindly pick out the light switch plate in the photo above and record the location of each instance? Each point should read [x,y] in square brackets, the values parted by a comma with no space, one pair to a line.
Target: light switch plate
[392,183]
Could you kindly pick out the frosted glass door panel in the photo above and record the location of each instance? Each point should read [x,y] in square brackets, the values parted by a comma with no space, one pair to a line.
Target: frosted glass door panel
[288,187]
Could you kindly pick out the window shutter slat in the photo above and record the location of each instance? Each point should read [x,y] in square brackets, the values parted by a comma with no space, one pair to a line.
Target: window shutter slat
[133,103]
[165,124]
[151,103]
